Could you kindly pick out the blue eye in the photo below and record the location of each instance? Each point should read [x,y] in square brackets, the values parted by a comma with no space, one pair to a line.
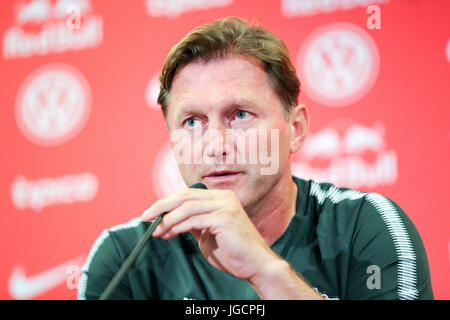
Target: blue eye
[241,114]
[191,122]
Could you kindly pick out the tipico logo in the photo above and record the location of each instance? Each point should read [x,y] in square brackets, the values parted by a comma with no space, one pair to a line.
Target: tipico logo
[294,8]
[53,104]
[349,155]
[338,64]
[38,194]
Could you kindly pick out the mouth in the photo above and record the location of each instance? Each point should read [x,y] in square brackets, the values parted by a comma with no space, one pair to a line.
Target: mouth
[222,175]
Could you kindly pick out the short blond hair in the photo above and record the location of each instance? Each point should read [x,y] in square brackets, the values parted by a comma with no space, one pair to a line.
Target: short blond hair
[234,36]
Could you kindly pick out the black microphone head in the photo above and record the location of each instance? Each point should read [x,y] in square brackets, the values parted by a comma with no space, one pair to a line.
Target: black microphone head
[199,185]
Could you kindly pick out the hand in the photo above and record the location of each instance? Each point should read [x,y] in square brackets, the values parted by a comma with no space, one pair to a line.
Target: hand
[227,237]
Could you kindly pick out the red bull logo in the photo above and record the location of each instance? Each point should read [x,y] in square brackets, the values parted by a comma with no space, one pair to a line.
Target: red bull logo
[354,156]
[42,27]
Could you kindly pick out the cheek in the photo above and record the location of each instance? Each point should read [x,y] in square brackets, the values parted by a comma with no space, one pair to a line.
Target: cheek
[190,173]
[183,152]
[279,139]
[265,147]
[185,146]
[285,140]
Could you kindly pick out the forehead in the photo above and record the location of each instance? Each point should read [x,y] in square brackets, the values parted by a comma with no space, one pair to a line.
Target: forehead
[233,67]
[208,84]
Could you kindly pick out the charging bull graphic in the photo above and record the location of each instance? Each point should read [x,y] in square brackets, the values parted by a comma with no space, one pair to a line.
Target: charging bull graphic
[43,27]
[354,156]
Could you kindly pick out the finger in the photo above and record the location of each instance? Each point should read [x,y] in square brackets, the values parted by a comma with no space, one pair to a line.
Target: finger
[184,211]
[207,246]
[198,222]
[174,200]
[196,234]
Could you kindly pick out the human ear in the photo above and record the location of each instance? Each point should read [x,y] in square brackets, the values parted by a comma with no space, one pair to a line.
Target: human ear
[299,122]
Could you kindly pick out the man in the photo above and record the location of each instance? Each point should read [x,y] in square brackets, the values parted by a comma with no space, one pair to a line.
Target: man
[257,232]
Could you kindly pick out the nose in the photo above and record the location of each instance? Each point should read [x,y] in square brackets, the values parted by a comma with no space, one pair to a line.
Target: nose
[215,144]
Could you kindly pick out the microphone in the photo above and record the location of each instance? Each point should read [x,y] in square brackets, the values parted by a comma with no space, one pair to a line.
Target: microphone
[136,251]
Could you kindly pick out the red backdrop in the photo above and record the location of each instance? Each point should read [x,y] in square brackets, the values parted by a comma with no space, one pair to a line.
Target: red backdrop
[84,146]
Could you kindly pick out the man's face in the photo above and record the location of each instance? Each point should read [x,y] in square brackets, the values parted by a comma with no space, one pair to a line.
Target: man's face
[211,106]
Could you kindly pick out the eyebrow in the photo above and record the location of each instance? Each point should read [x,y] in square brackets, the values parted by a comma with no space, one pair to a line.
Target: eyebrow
[226,106]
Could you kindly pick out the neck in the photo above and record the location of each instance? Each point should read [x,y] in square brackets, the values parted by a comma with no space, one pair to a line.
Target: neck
[274,213]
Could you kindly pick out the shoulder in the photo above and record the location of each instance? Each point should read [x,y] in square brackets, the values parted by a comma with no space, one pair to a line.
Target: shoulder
[119,235]
[334,204]
[106,244]
[118,241]
[354,218]
[327,197]
[128,233]
[123,237]
[106,256]
[373,230]
[332,207]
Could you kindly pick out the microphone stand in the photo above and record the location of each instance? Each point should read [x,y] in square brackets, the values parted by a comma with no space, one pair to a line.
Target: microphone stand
[135,253]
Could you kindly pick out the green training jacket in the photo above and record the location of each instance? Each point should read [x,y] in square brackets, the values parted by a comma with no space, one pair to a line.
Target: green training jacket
[346,244]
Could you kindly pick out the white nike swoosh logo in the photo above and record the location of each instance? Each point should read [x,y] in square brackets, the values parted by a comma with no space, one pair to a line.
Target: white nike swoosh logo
[22,287]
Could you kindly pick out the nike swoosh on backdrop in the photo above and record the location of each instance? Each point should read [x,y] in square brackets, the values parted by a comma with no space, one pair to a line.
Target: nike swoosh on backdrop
[22,287]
